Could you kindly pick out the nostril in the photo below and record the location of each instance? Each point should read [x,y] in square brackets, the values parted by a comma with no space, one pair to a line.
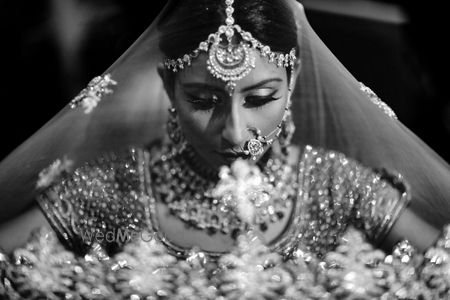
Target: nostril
[233,135]
[231,141]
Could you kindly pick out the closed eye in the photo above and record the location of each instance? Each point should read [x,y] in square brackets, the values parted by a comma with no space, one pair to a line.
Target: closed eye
[203,102]
[253,101]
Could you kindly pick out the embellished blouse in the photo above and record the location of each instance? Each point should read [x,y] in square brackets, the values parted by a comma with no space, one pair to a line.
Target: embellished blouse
[112,197]
[319,256]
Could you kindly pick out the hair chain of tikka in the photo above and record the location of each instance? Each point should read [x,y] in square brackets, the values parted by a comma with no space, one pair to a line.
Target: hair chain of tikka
[231,59]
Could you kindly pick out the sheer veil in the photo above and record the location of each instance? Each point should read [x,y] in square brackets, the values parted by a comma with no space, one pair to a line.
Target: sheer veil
[329,108]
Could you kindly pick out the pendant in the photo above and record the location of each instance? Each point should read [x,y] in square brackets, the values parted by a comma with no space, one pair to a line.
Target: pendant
[255,146]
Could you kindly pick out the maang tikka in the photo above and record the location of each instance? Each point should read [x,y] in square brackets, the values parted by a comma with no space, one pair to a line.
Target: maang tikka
[230,55]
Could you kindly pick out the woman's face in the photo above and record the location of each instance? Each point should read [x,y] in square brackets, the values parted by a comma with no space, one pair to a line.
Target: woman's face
[216,123]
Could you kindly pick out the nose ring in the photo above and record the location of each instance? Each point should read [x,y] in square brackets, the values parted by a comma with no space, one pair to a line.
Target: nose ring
[255,146]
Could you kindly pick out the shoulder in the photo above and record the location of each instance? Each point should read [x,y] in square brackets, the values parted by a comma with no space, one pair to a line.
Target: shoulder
[325,162]
[116,169]
[321,160]
[371,199]
[330,163]
[99,197]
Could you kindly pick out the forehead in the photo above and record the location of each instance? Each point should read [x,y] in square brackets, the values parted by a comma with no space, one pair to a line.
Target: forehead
[198,73]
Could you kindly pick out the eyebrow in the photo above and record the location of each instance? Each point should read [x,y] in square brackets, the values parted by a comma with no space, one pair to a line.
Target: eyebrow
[220,88]
[261,83]
[202,85]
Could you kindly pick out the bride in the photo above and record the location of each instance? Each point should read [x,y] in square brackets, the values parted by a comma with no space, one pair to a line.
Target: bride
[256,105]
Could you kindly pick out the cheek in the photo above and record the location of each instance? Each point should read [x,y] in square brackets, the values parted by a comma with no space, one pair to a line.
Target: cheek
[194,124]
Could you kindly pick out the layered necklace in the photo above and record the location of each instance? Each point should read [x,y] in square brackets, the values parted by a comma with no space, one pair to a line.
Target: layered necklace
[186,188]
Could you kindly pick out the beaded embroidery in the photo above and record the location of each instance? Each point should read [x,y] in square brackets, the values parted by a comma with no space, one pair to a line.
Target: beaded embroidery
[54,172]
[89,97]
[43,269]
[336,191]
[114,193]
[99,202]
[377,101]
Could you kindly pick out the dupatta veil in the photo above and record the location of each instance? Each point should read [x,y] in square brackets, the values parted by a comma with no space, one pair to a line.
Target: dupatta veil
[128,106]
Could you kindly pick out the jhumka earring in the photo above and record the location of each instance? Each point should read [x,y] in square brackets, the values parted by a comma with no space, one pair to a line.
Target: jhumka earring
[287,126]
[174,132]
[287,132]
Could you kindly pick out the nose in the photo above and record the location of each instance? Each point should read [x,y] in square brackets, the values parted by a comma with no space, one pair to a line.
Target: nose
[233,130]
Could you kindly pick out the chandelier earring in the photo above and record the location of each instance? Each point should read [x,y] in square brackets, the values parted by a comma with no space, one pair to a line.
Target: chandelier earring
[287,132]
[176,137]
[287,125]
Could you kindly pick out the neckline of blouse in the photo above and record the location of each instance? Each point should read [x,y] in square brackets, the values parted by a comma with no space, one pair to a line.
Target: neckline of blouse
[284,244]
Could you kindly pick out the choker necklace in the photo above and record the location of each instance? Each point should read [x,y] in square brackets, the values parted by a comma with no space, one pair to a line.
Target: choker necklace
[188,192]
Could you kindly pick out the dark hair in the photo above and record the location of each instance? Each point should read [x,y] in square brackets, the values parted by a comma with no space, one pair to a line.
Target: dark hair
[269,21]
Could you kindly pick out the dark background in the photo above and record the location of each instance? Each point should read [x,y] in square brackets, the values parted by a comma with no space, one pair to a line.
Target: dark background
[50,50]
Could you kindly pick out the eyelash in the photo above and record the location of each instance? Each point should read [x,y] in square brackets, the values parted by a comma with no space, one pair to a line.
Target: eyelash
[202,104]
[260,101]
[207,104]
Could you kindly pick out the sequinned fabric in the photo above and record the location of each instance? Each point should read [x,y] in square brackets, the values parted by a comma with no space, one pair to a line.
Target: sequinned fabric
[336,192]
[377,101]
[101,213]
[43,269]
[98,204]
[105,201]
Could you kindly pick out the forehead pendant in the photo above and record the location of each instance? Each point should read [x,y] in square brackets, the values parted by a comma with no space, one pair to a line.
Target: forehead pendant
[231,53]
[230,57]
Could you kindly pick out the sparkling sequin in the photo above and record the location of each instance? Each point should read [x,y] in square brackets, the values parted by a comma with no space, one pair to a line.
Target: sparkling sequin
[43,269]
[193,198]
[377,101]
[99,203]
[312,260]
[89,97]
[333,192]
